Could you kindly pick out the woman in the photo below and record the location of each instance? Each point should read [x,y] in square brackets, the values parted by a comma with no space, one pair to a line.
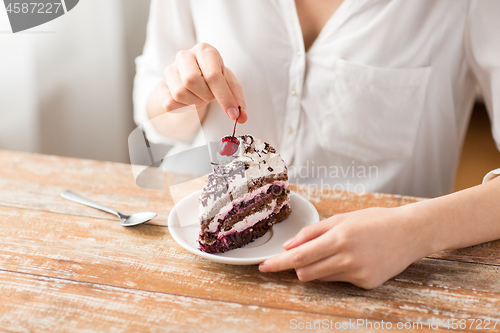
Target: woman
[367,85]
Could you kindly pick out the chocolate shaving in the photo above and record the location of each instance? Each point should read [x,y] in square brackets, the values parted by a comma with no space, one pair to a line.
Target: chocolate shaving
[218,182]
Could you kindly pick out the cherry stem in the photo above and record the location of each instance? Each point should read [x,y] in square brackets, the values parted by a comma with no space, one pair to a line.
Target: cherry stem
[236,121]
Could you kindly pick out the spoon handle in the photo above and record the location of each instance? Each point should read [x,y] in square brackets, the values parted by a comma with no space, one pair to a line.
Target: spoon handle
[81,200]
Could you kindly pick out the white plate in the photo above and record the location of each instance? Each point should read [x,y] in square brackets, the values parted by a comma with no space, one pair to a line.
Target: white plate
[186,234]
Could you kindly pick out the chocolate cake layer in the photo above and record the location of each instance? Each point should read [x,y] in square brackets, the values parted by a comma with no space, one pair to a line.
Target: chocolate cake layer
[259,182]
[243,209]
[238,239]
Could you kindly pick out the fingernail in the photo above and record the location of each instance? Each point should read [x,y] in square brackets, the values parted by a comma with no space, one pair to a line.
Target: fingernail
[233,113]
[288,242]
[262,267]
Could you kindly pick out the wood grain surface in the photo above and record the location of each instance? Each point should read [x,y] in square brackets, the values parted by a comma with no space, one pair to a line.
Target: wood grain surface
[66,265]
[57,305]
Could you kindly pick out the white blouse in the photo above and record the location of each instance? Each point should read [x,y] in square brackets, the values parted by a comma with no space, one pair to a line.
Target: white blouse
[491,175]
[380,102]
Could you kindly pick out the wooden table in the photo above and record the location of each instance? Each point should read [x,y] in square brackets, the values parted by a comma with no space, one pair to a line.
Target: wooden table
[69,268]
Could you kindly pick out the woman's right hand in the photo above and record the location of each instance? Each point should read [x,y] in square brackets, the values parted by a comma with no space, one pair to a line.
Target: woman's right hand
[198,76]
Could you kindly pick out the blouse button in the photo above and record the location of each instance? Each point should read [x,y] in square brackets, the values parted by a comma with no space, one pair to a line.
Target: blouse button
[293,92]
[289,130]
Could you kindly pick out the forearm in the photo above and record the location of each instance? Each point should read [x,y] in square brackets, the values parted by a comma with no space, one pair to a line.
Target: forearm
[460,219]
[177,126]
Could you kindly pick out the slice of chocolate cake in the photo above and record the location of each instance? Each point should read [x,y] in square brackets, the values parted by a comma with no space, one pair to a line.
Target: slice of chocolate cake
[244,197]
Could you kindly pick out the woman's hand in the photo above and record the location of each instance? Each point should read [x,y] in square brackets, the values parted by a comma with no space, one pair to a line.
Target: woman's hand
[198,76]
[365,247]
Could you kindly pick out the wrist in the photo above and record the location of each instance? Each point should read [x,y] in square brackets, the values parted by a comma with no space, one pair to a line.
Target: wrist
[154,106]
[423,229]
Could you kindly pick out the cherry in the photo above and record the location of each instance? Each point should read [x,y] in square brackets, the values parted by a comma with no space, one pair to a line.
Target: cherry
[276,190]
[228,146]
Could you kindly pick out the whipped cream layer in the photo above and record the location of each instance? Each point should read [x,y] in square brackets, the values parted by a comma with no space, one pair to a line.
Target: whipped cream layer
[260,156]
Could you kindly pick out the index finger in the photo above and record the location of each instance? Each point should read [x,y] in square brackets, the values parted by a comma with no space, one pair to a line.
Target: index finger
[301,255]
[211,66]
[311,232]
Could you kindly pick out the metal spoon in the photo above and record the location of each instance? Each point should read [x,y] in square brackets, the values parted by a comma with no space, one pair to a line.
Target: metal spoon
[126,221]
